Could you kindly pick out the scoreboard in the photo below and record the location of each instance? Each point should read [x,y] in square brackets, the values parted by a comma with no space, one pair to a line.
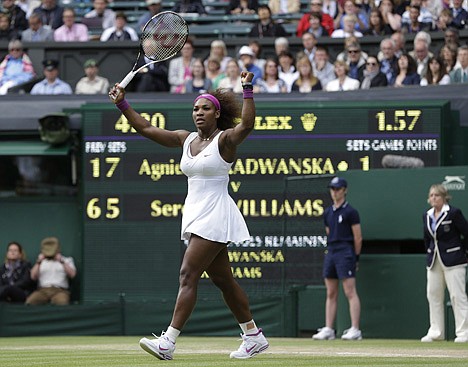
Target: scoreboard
[134,190]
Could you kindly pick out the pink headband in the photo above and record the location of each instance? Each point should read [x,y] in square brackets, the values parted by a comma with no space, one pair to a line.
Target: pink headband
[211,98]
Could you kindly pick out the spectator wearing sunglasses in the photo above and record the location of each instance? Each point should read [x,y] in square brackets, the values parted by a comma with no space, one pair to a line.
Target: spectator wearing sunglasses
[371,76]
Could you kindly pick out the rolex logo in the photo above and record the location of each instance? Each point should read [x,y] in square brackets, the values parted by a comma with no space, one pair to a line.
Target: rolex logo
[308,121]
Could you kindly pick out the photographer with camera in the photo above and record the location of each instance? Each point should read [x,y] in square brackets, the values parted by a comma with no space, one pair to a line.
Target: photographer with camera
[52,272]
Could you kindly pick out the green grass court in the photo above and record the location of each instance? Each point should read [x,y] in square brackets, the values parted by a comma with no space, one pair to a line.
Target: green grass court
[214,352]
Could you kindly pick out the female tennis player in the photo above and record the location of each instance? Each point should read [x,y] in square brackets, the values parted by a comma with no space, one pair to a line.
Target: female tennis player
[211,218]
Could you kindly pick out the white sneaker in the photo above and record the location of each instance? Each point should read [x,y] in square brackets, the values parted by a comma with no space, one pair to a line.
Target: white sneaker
[430,339]
[352,334]
[324,333]
[427,339]
[461,339]
[251,345]
[161,347]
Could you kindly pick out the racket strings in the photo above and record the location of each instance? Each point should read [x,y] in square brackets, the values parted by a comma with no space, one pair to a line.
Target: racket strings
[164,36]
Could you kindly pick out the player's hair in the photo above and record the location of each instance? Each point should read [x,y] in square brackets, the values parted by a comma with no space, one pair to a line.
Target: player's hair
[230,108]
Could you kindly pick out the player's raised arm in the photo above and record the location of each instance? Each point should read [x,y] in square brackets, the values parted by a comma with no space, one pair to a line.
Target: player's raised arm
[142,126]
[238,134]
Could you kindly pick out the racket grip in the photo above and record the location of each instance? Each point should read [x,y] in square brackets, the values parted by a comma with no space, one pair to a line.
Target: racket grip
[127,79]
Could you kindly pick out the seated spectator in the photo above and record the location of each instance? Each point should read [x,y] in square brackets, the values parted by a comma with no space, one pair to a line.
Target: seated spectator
[219,51]
[105,17]
[414,25]
[271,82]
[399,43]
[309,44]
[242,7]
[51,14]
[71,31]
[153,78]
[388,63]
[51,84]
[284,7]
[36,31]
[6,33]
[246,62]
[307,81]
[232,80]
[304,23]
[180,68]
[16,15]
[15,275]
[199,82]
[343,55]
[377,26]
[265,26]
[323,68]
[349,28]
[281,44]
[452,36]
[371,76]
[342,82]
[213,71]
[421,53]
[154,7]
[355,60]
[316,27]
[448,54]
[257,49]
[120,31]
[436,73]
[406,72]
[16,68]
[350,8]
[444,21]
[189,6]
[52,272]
[424,17]
[460,15]
[460,75]
[389,15]
[92,83]
[287,69]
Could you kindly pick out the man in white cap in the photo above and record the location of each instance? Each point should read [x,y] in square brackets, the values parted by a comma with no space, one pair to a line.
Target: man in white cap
[154,7]
[246,62]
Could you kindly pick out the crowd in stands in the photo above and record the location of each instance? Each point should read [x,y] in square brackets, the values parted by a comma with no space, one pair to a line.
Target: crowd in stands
[353,68]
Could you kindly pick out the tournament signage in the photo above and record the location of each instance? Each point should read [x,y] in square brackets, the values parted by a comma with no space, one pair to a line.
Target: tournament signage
[134,189]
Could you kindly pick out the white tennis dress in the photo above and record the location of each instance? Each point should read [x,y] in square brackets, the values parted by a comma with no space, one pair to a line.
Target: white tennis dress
[209,211]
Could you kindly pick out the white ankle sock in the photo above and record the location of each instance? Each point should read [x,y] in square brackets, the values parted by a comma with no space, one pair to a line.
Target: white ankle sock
[249,327]
[172,333]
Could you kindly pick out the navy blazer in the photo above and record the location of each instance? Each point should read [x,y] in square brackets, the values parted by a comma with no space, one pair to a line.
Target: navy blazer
[412,79]
[450,227]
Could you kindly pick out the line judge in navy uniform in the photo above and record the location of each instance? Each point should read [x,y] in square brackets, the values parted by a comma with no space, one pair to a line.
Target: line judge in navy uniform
[344,244]
[445,239]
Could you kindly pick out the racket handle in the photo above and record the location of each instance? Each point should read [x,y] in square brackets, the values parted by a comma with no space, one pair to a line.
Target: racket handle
[125,82]
[127,79]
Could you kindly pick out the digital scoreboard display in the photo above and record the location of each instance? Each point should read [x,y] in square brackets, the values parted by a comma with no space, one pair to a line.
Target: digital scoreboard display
[134,190]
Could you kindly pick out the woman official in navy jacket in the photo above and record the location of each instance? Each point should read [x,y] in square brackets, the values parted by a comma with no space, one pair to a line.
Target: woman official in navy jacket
[445,239]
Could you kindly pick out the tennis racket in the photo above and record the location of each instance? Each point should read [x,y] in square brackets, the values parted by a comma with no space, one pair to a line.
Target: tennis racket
[162,37]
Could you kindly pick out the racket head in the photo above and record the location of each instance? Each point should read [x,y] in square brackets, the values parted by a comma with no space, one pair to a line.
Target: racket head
[163,36]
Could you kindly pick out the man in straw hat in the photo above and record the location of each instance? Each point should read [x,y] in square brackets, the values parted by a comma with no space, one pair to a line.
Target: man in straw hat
[51,271]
